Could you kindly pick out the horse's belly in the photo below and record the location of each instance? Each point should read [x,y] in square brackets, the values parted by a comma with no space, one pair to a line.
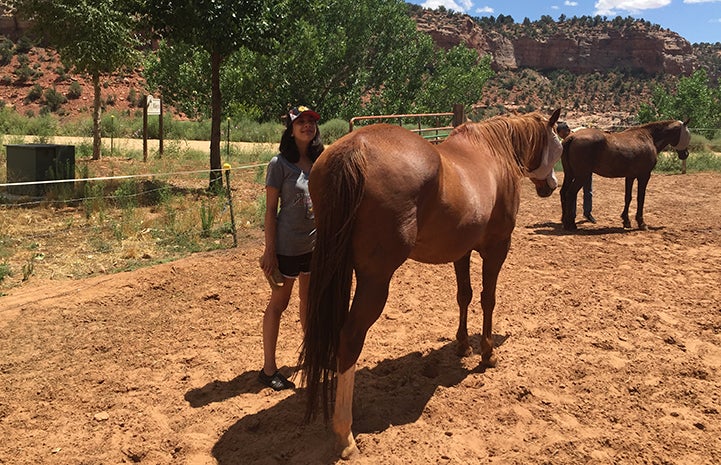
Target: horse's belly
[445,246]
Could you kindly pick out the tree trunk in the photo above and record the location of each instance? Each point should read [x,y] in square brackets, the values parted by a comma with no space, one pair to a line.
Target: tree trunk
[96,116]
[216,175]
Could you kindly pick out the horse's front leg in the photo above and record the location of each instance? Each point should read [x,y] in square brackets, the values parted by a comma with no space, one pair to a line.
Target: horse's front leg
[493,258]
[627,203]
[464,295]
[642,183]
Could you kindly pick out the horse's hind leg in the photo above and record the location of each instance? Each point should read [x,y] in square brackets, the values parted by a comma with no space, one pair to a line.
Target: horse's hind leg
[569,195]
[493,258]
[370,297]
[627,203]
[642,183]
[464,295]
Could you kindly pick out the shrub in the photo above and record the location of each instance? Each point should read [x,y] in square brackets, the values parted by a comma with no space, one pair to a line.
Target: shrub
[36,92]
[54,99]
[24,45]
[333,130]
[6,51]
[62,73]
[75,91]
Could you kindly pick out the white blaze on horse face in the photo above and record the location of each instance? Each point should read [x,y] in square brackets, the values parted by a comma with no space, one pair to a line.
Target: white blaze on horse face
[551,154]
[683,139]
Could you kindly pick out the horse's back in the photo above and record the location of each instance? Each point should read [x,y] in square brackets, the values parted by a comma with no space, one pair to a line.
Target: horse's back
[400,174]
[611,155]
[398,162]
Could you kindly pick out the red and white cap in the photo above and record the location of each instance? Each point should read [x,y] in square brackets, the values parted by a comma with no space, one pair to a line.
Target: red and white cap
[295,112]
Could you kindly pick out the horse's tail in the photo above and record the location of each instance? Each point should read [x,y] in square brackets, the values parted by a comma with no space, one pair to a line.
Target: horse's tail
[339,185]
[566,160]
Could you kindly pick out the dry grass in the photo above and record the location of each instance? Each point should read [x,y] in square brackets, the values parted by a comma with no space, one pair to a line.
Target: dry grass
[121,224]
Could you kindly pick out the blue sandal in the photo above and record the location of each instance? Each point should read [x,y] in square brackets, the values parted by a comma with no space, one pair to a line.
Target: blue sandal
[277,381]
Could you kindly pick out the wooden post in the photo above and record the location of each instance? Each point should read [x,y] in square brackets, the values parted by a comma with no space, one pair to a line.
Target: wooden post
[230,204]
[145,128]
[459,114]
[160,130]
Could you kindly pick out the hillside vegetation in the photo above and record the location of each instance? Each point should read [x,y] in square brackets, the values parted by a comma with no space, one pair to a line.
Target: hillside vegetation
[34,81]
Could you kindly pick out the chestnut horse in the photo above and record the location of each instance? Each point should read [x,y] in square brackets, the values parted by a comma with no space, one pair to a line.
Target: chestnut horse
[382,195]
[631,154]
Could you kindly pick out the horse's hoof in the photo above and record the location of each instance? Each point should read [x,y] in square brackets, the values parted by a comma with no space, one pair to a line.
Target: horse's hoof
[462,351]
[570,227]
[489,361]
[626,224]
[642,227]
[351,450]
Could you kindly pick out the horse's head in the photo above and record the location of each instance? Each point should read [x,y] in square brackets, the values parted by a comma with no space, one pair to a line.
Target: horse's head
[684,138]
[543,176]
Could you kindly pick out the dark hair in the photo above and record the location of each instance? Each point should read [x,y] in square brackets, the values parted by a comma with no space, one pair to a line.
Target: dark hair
[289,150]
[561,125]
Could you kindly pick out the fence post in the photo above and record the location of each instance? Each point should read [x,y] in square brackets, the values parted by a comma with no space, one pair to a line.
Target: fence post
[226,167]
[459,114]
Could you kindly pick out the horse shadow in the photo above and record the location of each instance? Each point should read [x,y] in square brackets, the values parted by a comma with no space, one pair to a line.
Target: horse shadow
[550,228]
[394,392]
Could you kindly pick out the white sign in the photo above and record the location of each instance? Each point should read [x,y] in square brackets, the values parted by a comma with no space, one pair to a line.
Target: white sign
[153,105]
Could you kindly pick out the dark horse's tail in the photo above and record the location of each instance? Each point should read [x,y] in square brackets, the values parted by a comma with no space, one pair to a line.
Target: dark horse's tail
[565,159]
[338,187]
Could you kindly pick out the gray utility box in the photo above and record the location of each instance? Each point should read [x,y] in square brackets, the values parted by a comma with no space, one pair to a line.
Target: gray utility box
[39,162]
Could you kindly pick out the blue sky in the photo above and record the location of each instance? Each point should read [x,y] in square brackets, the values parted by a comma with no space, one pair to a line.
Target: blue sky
[694,20]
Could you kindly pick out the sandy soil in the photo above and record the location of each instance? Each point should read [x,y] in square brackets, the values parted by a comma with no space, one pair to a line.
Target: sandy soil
[609,346]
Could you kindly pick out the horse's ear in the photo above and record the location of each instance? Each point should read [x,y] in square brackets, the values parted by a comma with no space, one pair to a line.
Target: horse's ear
[685,123]
[554,117]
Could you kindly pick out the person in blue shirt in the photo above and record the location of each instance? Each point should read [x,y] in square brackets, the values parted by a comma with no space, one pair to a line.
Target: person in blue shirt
[289,231]
[563,131]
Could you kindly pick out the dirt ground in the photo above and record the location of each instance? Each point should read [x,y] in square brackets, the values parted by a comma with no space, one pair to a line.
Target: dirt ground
[609,348]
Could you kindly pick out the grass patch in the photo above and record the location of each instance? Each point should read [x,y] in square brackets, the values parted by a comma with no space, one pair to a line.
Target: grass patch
[162,213]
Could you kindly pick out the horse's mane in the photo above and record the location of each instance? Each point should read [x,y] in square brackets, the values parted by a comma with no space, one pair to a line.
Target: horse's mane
[509,137]
[660,129]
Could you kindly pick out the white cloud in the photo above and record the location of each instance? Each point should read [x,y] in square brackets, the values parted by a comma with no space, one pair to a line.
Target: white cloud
[612,7]
[460,6]
[568,3]
[484,9]
[701,1]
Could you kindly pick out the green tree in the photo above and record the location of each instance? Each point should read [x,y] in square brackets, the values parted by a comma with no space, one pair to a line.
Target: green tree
[219,28]
[458,76]
[95,37]
[183,72]
[694,98]
[340,57]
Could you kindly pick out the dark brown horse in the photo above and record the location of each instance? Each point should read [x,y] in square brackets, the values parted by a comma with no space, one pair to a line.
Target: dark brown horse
[629,154]
[382,195]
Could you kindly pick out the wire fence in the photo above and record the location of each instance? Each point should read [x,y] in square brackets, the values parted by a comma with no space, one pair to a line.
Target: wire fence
[106,224]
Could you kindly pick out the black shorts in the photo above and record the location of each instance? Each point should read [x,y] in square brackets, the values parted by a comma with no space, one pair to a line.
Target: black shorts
[291,266]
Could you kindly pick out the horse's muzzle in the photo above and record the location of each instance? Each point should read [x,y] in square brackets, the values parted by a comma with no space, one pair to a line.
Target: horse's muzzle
[682,154]
[544,188]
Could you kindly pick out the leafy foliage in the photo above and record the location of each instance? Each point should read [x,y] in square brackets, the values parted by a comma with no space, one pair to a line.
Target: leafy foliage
[94,37]
[693,98]
[340,57]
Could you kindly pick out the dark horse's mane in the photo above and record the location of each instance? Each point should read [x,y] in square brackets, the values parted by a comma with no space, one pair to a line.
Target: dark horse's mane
[659,129]
[508,137]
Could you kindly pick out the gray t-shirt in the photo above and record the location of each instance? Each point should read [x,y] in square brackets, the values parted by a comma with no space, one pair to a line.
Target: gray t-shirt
[296,223]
